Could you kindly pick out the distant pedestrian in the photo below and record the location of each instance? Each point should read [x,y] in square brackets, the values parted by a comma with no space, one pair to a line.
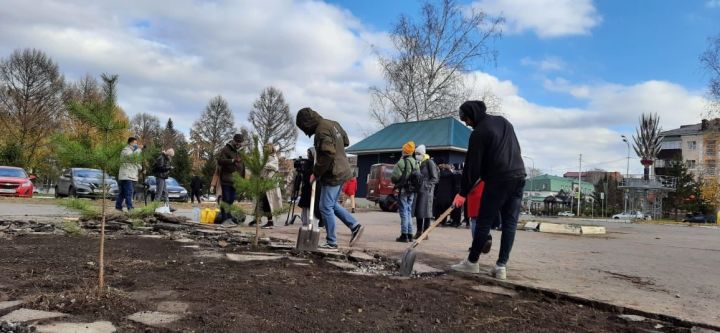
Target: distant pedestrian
[349,189]
[161,171]
[230,163]
[130,167]
[493,156]
[425,193]
[331,169]
[448,186]
[401,177]
[196,186]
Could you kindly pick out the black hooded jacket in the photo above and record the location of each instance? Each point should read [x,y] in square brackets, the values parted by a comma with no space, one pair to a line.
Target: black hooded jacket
[493,150]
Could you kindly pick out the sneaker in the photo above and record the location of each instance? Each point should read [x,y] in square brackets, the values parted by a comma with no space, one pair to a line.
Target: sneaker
[356,234]
[228,223]
[252,223]
[499,272]
[268,225]
[402,239]
[352,210]
[466,267]
[328,247]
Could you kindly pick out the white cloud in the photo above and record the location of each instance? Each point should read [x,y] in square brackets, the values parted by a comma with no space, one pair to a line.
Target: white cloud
[547,18]
[547,64]
[172,59]
[713,4]
[555,136]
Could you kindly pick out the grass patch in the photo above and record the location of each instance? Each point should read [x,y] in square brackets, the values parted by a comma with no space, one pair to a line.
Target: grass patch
[84,207]
[143,212]
[137,223]
[72,228]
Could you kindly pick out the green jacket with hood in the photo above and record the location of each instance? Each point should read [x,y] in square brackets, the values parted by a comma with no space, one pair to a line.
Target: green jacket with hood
[331,163]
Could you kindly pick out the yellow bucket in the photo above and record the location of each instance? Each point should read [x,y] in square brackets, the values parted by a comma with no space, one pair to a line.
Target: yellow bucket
[207,216]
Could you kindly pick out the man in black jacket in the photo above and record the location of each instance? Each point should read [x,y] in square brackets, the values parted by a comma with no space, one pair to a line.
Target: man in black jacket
[161,170]
[493,156]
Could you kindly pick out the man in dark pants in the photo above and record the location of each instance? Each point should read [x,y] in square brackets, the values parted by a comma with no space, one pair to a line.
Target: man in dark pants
[229,163]
[494,156]
[196,185]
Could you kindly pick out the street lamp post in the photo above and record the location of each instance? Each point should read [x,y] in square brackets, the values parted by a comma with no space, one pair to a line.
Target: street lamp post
[532,188]
[627,171]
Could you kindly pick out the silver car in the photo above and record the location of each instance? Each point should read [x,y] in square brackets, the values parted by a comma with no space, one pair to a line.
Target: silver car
[84,183]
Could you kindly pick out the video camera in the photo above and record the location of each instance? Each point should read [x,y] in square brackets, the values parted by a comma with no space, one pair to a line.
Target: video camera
[301,164]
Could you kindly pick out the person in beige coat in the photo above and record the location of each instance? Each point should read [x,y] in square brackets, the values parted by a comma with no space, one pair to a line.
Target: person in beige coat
[272,201]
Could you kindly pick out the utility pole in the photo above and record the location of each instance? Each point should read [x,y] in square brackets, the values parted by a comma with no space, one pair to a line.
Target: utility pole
[579,185]
[627,172]
[532,187]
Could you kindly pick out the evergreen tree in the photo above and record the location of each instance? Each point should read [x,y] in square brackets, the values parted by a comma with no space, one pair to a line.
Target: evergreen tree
[685,197]
[105,154]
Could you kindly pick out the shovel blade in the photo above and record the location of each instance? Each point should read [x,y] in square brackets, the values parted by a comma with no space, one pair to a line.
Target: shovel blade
[308,239]
[407,261]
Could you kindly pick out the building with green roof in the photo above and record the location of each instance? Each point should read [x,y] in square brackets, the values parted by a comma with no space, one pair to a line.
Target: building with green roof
[446,141]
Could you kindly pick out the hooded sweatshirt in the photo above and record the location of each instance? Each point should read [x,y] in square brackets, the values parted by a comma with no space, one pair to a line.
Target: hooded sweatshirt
[332,167]
[493,149]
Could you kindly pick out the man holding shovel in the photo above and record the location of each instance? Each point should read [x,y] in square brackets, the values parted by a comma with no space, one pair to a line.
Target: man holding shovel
[331,170]
[493,156]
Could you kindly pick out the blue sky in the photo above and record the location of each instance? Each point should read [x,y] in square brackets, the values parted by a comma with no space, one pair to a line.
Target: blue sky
[572,75]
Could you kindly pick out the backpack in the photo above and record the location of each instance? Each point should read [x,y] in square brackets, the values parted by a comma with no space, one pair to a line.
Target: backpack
[412,181]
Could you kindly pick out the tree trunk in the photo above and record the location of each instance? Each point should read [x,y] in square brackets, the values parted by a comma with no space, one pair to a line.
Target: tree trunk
[101,264]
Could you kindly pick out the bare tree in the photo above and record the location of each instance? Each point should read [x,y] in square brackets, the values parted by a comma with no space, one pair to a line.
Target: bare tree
[710,59]
[31,100]
[272,120]
[146,128]
[213,130]
[424,76]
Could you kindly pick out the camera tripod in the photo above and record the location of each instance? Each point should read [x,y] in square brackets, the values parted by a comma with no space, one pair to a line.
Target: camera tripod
[297,182]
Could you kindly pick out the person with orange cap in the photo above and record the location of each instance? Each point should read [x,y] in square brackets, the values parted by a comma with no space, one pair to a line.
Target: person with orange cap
[405,184]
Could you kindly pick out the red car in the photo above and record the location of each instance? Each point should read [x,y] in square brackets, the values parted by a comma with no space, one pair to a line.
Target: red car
[380,188]
[15,182]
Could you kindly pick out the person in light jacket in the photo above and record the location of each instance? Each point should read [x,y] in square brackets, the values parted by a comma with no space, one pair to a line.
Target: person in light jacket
[272,201]
[424,194]
[127,177]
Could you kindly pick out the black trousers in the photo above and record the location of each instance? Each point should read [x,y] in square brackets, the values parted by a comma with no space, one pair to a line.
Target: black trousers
[501,199]
[195,195]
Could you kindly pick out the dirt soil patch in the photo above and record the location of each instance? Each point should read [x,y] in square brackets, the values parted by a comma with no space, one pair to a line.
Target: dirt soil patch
[58,273]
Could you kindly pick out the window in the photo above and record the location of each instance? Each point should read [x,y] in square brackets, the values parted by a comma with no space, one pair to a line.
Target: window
[710,167]
[671,145]
[690,164]
[710,148]
[692,145]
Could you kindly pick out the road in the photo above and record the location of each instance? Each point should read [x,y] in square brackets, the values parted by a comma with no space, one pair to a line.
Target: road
[668,269]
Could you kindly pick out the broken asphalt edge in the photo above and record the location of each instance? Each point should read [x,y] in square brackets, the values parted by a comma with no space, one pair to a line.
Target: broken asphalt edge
[596,304]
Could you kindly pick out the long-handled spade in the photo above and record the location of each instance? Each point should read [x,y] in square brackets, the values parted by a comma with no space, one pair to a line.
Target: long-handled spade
[309,236]
[408,258]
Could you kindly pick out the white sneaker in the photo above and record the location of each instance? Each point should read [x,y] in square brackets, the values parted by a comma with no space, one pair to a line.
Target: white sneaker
[467,267]
[499,272]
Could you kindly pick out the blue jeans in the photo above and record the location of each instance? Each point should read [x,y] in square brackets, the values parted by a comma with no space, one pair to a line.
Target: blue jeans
[501,199]
[126,187]
[405,209]
[228,196]
[330,207]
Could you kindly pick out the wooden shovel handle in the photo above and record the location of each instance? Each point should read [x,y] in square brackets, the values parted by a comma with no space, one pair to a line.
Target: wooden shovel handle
[437,222]
[311,217]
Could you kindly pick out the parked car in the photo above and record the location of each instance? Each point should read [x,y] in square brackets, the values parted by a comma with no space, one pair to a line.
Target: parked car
[380,188]
[700,218]
[15,182]
[629,216]
[85,183]
[175,191]
[566,214]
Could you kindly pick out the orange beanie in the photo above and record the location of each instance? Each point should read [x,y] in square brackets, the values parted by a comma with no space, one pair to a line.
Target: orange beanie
[408,148]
